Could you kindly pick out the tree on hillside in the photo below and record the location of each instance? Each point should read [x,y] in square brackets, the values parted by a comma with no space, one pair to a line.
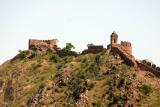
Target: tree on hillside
[68,48]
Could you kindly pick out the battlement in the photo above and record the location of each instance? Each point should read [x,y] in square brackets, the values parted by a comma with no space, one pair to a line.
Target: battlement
[127,46]
[36,40]
[43,45]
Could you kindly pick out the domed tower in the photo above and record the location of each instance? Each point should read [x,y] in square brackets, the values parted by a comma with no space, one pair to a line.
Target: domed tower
[114,38]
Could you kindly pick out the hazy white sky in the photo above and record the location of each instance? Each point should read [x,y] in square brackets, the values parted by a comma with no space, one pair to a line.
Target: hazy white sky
[80,22]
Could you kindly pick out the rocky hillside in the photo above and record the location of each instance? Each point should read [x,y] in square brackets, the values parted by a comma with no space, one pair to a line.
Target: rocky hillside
[91,80]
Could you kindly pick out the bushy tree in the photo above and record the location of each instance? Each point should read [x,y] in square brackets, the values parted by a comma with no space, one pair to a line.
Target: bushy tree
[68,48]
[146,89]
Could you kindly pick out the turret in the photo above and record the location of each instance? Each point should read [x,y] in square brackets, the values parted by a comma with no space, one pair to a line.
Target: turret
[114,38]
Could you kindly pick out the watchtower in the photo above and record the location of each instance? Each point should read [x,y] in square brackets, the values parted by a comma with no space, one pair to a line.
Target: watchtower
[114,38]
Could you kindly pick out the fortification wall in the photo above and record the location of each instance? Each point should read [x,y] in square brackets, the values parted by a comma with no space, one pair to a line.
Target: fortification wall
[127,46]
[42,45]
[149,67]
[94,49]
[128,58]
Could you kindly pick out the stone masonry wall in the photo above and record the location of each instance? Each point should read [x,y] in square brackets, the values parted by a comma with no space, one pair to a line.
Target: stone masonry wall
[42,45]
[94,49]
[127,46]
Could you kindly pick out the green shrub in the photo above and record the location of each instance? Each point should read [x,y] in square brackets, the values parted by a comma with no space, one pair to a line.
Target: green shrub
[92,68]
[77,86]
[33,54]
[42,85]
[77,92]
[121,82]
[36,66]
[146,89]
[67,49]
[90,86]
[81,59]
[124,68]
[68,59]
[55,58]
[97,59]
[22,54]
[97,103]
[34,48]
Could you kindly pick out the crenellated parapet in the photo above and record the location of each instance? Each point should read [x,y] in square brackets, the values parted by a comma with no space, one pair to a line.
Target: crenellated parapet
[127,46]
[43,45]
[124,49]
[148,66]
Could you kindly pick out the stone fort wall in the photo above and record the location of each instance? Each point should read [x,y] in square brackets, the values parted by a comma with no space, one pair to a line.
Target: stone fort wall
[127,46]
[42,45]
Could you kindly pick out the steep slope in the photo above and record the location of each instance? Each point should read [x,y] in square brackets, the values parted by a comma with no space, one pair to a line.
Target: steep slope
[91,80]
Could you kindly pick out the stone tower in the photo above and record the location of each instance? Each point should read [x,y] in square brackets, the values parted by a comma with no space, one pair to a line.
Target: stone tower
[127,46]
[114,38]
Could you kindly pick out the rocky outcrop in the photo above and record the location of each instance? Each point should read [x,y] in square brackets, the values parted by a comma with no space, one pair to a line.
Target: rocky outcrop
[83,102]
[1,83]
[9,92]
[38,98]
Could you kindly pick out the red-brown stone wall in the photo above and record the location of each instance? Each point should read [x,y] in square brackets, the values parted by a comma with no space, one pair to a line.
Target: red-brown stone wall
[127,46]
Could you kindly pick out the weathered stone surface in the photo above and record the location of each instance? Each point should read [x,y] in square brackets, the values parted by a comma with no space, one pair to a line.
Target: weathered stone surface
[84,98]
[9,92]
[127,46]
[146,67]
[128,58]
[124,50]
[93,49]
[38,98]
[1,83]
[43,45]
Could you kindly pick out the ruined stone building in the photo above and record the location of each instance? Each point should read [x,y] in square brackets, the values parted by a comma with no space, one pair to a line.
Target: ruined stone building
[43,45]
[93,49]
[125,45]
[124,49]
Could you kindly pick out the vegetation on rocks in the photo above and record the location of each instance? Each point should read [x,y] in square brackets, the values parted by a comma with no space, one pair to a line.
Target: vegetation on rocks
[91,80]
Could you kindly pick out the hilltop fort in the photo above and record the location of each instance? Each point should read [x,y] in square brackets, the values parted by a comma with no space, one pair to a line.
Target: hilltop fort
[46,75]
[122,50]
